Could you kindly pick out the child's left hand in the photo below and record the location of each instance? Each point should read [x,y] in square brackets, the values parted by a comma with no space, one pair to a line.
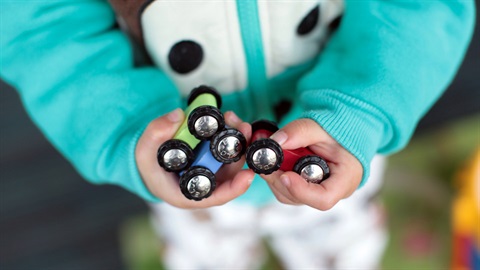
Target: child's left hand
[232,181]
[345,170]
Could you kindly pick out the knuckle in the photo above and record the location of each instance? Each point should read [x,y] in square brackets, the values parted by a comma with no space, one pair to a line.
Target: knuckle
[154,129]
[155,124]
[246,130]
[159,131]
[238,193]
[284,201]
[281,199]
[230,119]
[216,200]
[220,203]
[328,204]
[181,204]
[301,126]
[296,191]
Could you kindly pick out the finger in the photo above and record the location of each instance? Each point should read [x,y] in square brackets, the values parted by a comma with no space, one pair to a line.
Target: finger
[167,187]
[161,129]
[279,190]
[280,197]
[223,193]
[158,131]
[321,196]
[228,171]
[301,133]
[230,189]
[232,120]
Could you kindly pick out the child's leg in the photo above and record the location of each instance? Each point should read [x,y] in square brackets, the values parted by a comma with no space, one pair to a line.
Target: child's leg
[223,237]
[351,235]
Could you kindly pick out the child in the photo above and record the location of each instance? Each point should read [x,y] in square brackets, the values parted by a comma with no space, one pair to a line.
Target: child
[360,94]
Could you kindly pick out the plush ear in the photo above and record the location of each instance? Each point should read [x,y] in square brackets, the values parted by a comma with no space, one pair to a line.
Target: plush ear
[129,13]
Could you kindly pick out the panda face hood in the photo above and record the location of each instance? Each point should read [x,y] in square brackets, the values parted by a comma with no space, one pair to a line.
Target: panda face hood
[205,42]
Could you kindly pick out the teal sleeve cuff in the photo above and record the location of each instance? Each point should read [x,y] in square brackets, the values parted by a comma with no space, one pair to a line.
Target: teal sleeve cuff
[137,185]
[117,164]
[355,125]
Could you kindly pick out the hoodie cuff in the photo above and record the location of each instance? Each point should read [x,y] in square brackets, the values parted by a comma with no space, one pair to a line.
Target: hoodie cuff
[137,184]
[356,125]
[122,169]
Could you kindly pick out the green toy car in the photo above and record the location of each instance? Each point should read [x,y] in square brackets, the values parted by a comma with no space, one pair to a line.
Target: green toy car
[204,121]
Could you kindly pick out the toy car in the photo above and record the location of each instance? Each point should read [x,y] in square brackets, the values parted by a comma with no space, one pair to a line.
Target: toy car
[198,181]
[204,120]
[265,156]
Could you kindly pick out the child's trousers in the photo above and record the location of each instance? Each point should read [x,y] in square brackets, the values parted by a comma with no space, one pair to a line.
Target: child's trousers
[350,235]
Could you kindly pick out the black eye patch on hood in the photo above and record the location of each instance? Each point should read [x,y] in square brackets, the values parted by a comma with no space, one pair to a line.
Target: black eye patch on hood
[185,56]
[309,22]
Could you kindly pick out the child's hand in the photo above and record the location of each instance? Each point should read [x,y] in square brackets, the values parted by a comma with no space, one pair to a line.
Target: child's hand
[345,170]
[231,180]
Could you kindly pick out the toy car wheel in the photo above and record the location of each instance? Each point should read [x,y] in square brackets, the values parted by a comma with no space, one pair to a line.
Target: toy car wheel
[264,156]
[175,155]
[205,121]
[264,124]
[197,183]
[314,169]
[228,146]
[203,89]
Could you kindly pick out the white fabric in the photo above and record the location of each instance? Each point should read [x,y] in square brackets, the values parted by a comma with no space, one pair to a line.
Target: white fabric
[212,24]
[349,236]
[283,47]
[216,238]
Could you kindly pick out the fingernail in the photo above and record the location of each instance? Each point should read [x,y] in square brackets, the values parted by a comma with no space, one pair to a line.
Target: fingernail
[234,118]
[175,115]
[280,137]
[285,180]
[250,181]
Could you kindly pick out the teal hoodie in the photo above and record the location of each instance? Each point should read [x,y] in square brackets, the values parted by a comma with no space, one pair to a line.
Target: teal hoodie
[380,72]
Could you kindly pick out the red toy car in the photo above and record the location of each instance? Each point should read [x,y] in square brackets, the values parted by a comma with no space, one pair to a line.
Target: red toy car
[264,156]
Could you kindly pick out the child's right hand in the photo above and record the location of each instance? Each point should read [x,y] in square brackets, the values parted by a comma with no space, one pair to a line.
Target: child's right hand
[232,181]
[345,170]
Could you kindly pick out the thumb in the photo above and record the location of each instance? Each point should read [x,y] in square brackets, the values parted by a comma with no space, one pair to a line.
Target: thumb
[299,133]
[163,128]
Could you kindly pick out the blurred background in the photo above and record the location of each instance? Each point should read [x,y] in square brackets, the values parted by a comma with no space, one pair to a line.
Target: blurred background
[52,219]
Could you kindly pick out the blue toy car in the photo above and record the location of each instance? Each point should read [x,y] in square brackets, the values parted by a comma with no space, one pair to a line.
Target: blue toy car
[198,181]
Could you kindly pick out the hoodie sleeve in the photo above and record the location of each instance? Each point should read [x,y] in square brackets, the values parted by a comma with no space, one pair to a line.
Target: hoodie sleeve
[388,62]
[74,72]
